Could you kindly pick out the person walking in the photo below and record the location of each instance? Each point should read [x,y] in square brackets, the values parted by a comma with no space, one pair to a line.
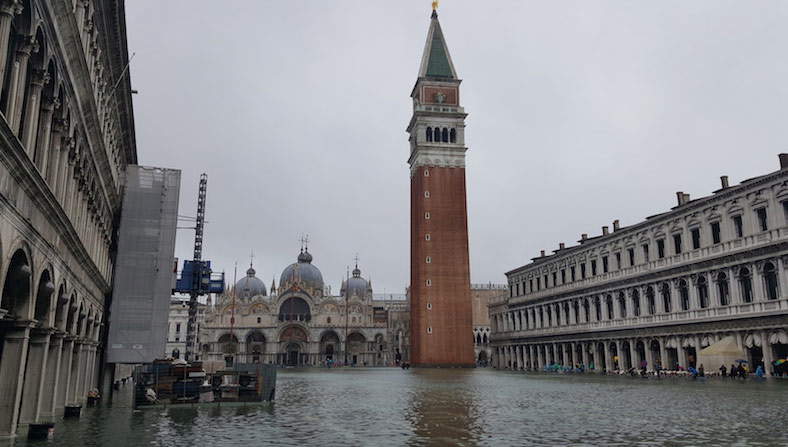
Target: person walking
[723,371]
[733,371]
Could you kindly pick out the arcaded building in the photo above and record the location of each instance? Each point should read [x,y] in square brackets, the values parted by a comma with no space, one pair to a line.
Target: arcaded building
[441,305]
[300,323]
[657,292]
[66,135]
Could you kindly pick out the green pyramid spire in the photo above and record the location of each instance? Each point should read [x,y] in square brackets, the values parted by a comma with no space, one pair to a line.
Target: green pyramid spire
[436,62]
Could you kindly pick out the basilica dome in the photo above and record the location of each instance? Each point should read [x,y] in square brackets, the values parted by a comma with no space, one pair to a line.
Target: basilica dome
[249,286]
[356,285]
[302,273]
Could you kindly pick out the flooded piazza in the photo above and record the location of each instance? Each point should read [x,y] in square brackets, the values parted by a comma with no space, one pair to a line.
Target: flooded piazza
[484,407]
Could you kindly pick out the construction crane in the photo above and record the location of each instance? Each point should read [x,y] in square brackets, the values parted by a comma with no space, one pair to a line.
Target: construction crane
[197,279]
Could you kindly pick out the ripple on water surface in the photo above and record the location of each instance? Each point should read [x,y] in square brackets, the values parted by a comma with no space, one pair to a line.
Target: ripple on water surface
[390,407]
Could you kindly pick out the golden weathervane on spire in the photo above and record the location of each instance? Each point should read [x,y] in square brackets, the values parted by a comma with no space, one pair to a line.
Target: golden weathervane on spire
[434,5]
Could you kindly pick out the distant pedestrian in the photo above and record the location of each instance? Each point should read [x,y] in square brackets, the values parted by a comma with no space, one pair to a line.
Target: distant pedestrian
[701,372]
[723,371]
[759,371]
[733,371]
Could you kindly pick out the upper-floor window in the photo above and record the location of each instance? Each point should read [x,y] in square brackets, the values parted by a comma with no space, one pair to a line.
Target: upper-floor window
[593,267]
[604,264]
[452,136]
[531,285]
[545,282]
[715,232]
[660,248]
[645,253]
[650,302]
[677,243]
[695,238]
[554,279]
[636,303]
[745,284]
[609,305]
[572,272]
[770,280]
[703,293]
[563,276]
[622,304]
[177,327]
[785,210]
[618,260]
[583,271]
[445,135]
[429,134]
[539,283]
[762,222]
[684,294]
[738,225]
[665,292]
[722,289]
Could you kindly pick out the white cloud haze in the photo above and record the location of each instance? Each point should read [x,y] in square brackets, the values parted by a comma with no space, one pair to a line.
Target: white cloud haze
[580,112]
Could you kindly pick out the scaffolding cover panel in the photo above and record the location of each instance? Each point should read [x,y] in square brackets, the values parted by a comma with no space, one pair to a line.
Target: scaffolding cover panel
[144,273]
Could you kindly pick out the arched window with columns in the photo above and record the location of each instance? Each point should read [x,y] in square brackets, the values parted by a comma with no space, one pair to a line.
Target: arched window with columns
[770,281]
[684,294]
[666,301]
[609,305]
[429,133]
[622,304]
[636,302]
[723,290]
[445,135]
[452,136]
[745,284]
[651,306]
[703,292]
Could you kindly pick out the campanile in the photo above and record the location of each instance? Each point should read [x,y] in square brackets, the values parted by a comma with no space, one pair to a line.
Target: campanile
[440,298]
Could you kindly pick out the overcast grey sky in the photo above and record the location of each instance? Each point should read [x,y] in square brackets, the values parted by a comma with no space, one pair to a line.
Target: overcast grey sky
[579,113]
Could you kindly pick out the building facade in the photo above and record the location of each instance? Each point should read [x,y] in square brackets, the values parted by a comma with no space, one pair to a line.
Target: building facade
[66,135]
[439,266]
[658,292]
[176,326]
[481,296]
[301,324]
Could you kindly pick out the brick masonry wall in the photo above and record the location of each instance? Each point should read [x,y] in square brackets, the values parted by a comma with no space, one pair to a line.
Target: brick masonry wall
[451,340]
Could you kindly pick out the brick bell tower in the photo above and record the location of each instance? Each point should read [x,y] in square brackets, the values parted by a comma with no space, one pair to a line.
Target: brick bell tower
[440,298]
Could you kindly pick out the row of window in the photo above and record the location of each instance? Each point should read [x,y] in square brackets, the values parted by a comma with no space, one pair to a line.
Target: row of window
[629,255]
[444,135]
[656,299]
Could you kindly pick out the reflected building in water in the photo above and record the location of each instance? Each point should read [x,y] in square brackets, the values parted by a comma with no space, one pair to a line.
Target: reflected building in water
[657,292]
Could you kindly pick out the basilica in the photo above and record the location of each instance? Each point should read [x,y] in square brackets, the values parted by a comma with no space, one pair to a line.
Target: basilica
[301,323]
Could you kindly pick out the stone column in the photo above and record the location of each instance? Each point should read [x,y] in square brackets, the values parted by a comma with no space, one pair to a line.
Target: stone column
[758,291]
[35,372]
[682,354]
[620,353]
[520,357]
[51,378]
[663,354]
[584,347]
[633,354]
[768,356]
[609,365]
[74,379]
[12,368]
[30,133]
[698,347]
[8,9]
[16,88]
[65,380]
[43,141]
[565,355]
[649,355]
[539,357]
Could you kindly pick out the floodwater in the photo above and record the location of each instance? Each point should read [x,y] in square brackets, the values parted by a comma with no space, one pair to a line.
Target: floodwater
[391,407]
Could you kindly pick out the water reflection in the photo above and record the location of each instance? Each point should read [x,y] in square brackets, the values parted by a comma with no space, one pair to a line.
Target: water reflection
[390,407]
[441,412]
